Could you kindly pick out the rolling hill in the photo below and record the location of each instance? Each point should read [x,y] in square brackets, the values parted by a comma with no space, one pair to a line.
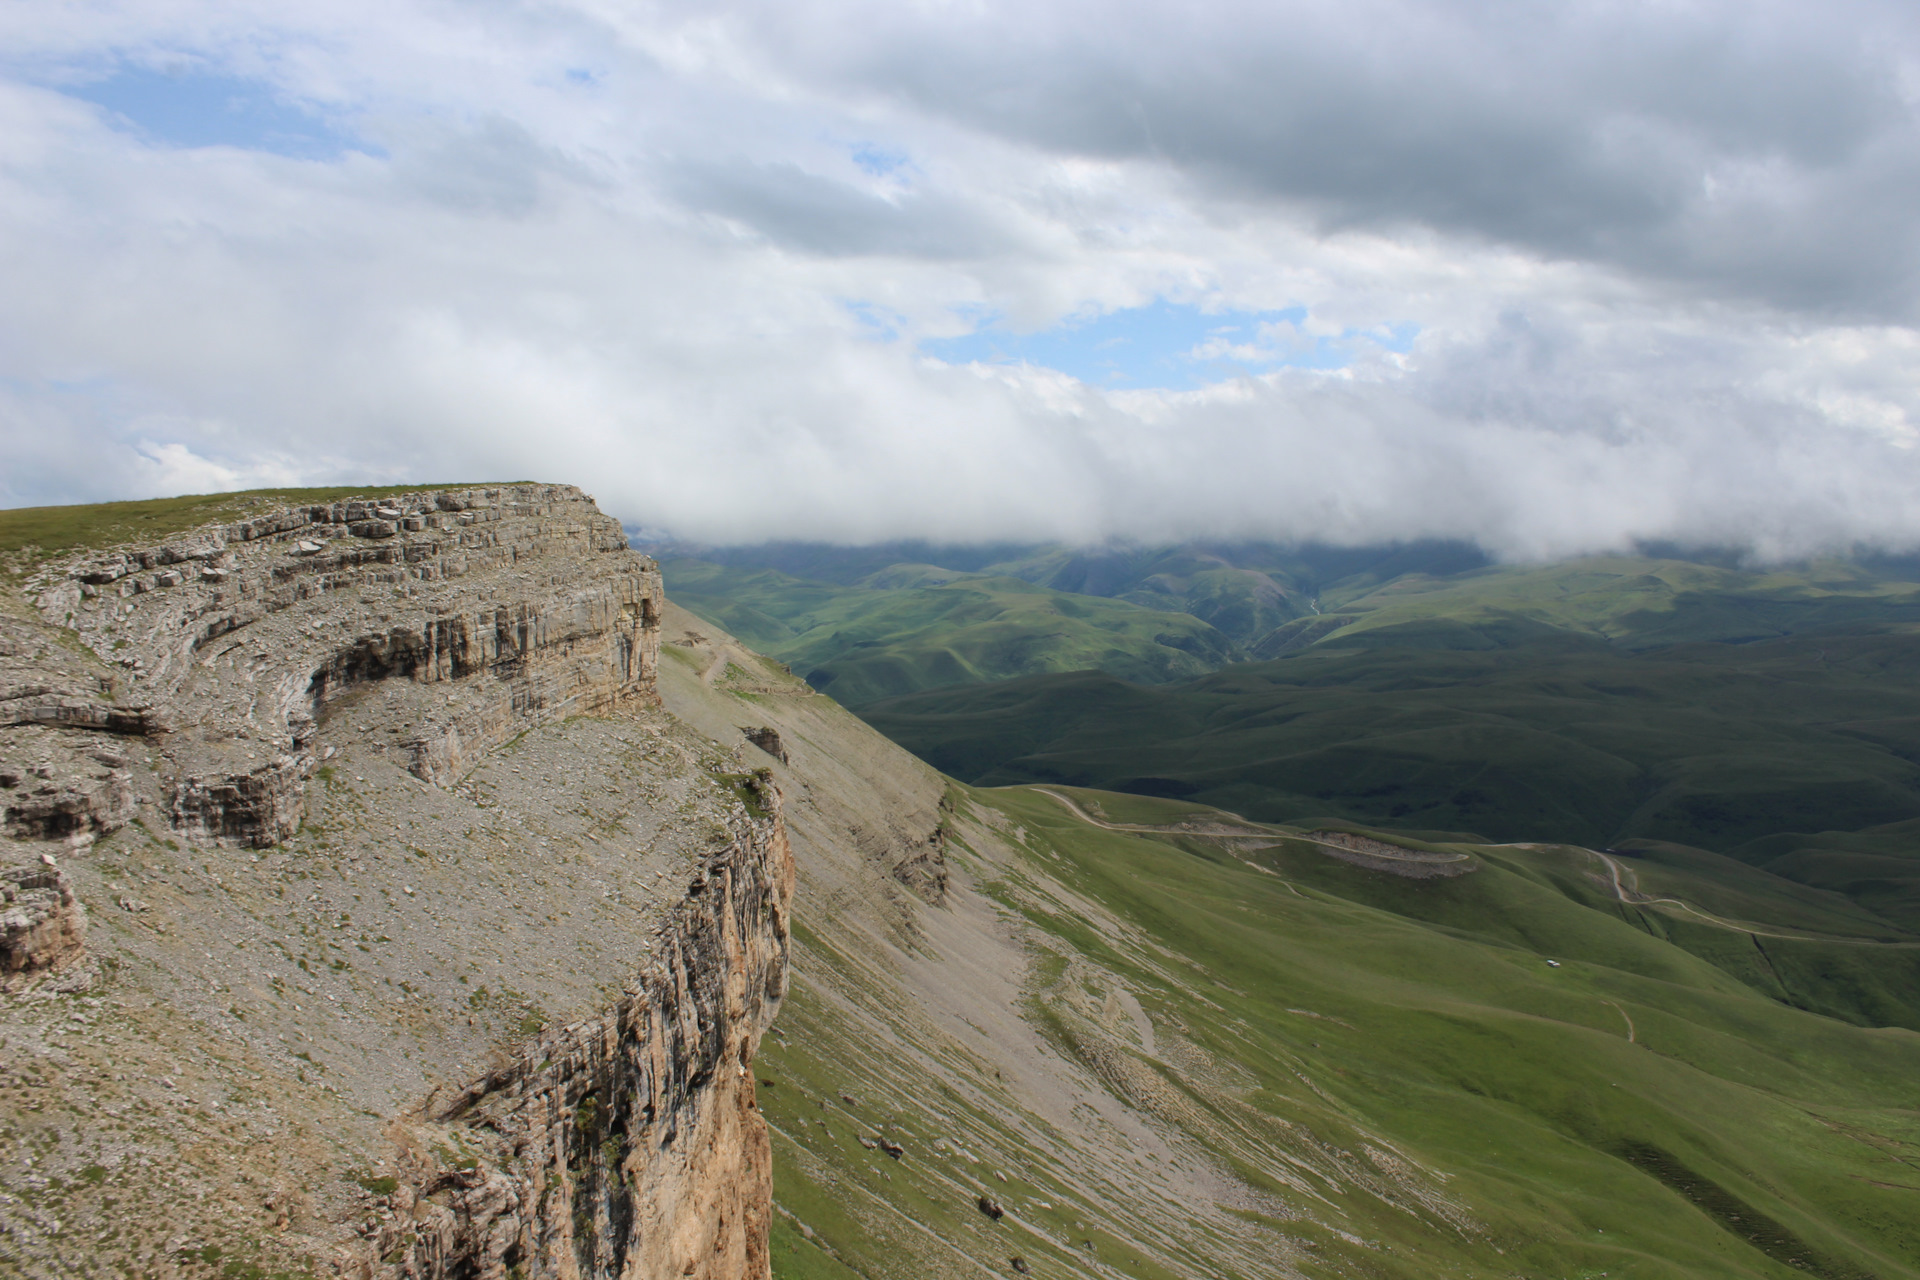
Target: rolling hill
[911,627]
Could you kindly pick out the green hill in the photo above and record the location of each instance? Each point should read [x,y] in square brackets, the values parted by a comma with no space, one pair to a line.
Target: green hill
[886,620]
[1388,1071]
[1157,1040]
[910,627]
[1796,754]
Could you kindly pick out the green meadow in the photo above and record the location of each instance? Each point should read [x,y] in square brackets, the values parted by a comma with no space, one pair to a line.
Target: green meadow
[1795,754]
[1392,1066]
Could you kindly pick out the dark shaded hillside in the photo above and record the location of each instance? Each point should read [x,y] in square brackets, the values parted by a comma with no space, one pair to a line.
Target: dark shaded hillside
[1797,754]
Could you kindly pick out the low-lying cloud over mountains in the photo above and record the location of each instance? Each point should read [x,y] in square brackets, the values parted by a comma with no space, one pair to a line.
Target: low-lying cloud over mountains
[1563,277]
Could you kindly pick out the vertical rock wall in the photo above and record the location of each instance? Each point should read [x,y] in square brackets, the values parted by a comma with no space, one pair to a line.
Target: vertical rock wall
[628,1145]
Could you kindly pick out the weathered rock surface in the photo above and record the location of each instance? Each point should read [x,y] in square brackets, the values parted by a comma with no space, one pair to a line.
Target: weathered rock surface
[237,649]
[628,1144]
[440,949]
[43,927]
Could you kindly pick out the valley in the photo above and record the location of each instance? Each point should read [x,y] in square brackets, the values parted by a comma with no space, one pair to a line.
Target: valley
[493,969]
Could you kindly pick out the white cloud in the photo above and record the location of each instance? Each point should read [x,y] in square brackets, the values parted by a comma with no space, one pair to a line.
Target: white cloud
[631,246]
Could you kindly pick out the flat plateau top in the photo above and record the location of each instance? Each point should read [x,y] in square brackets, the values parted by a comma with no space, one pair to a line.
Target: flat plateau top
[105,524]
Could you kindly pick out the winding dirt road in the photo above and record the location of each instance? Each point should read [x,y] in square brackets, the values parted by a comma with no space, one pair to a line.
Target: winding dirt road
[1224,831]
[1633,897]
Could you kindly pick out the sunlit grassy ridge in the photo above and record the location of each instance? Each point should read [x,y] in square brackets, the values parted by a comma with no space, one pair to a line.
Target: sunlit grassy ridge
[881,627]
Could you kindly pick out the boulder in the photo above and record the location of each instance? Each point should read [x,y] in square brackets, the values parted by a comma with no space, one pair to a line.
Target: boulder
[43,926]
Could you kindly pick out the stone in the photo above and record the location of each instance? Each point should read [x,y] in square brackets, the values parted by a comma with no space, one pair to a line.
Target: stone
[624,1125]
[767,739]
[991,1207]
[620,1139]
[43,926]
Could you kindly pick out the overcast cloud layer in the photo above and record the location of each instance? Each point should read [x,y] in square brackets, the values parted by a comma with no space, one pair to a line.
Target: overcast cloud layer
[1549,277]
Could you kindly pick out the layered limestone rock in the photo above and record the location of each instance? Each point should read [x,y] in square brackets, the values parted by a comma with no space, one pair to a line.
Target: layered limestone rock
[630,1144]
[362,794]
[236,648]
[43,927]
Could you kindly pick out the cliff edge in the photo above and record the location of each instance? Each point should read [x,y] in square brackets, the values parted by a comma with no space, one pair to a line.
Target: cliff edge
[367,915]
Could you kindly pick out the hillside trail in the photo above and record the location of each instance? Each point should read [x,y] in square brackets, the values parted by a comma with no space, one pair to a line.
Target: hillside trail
[1632,1037]
[1633,897]
[1220,830]
[722,655]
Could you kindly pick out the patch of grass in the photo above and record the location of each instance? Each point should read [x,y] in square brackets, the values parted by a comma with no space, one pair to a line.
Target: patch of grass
[797,1258]
[104,524]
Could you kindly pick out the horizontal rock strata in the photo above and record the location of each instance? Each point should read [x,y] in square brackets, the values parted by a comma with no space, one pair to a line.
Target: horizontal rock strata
[233,648]
[212,677]
[43,927]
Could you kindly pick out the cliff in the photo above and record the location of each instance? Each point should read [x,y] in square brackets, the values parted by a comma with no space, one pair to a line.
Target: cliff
[628,1144]
[236,646]
[366,914]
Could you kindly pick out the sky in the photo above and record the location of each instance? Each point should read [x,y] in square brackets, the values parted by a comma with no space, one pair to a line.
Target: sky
[1555,279]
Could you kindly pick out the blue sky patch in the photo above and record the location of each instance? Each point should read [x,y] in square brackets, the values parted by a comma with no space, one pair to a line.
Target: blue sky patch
[878,161]
[877,323]
[192,108]
[1170,346]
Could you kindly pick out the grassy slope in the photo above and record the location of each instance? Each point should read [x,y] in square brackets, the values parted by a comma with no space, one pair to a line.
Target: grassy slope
[1640,603]
[917,627]
[1714,746]
[1261,596]
[1324,1030]
[1164,1061]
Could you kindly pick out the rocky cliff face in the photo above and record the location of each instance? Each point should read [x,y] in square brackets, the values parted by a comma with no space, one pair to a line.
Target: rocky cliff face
[434,947]
[237,649]
[628,1144]
[43,927]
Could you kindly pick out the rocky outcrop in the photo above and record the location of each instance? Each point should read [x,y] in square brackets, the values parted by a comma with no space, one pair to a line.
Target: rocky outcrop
[56,786]
[502,645]
[628,1145]
[43,927]
[1399,860]
[233,649]
[767,738]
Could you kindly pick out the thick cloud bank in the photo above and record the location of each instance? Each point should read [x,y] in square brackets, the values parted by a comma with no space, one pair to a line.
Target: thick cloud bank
[1550,278]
